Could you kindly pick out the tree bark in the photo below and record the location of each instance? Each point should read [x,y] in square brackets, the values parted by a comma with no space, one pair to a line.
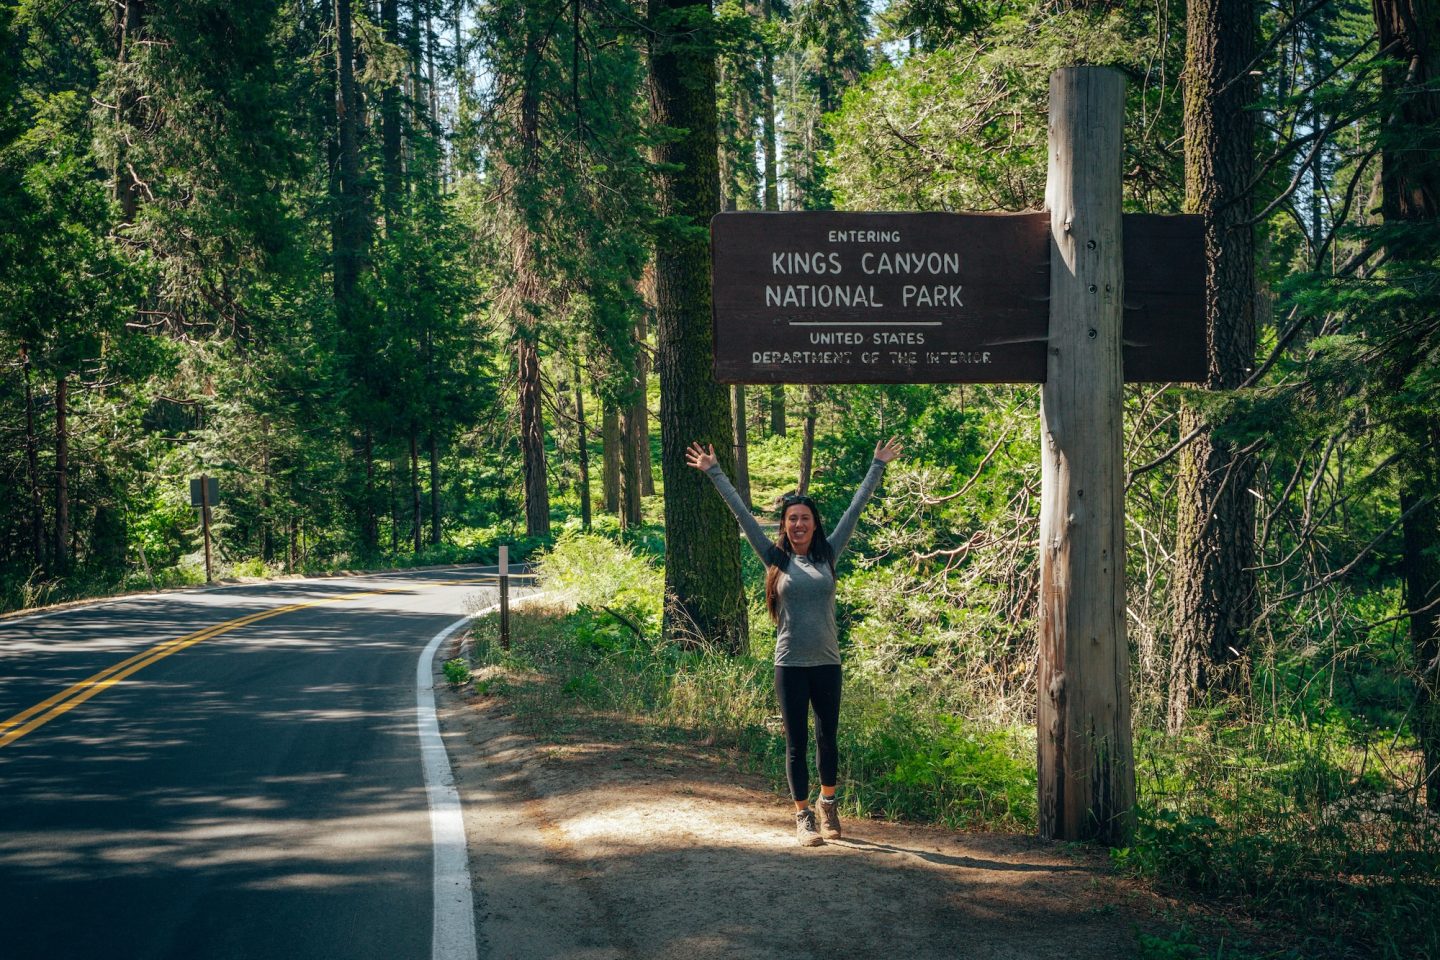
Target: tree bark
[1410,194]
[267,531]
[129,26]
[742,446]
[370,514]
[32,466]
[390,124]
[350,229]
[532,437]
[771,196]
[640,420]
[704,596]
[527,295]
[434,489]
[416,526]
[583,448]
[1214,590]
[61,551]
[807,439]
[1085,755]
[630,479]
[610,441]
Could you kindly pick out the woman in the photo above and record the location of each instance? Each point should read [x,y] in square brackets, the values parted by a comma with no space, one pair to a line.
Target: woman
[800,594]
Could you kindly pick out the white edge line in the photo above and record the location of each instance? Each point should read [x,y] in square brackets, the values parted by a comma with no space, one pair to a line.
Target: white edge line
[453,928]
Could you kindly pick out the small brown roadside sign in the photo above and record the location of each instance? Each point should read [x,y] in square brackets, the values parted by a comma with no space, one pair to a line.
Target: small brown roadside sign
[838,297]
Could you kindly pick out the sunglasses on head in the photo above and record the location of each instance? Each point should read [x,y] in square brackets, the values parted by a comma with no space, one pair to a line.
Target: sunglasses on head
[791,499]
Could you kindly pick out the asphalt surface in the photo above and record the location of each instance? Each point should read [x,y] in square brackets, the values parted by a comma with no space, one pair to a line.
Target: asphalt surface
[256,794]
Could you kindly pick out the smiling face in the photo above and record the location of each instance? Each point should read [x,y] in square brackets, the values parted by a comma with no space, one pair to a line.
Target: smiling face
[799,526]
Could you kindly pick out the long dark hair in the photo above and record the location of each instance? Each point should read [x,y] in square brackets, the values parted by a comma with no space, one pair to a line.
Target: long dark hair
[782,551]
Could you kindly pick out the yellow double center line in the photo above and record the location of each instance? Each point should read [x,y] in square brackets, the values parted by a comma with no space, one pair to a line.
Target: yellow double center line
[71,697]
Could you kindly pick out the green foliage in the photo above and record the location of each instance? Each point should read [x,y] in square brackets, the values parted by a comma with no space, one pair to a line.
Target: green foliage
[457,671]
[596,572]
[946,127]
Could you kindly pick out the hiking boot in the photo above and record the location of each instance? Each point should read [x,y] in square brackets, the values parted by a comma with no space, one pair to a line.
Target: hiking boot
[829,820]
[805,833]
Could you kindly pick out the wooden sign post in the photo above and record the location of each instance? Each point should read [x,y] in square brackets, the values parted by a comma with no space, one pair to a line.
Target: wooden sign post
[504,579]
[1079,298]
[204,493]
[1086,765]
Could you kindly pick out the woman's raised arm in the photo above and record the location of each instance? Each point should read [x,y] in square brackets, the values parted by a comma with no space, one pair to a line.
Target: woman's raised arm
[703,458]
[884,453]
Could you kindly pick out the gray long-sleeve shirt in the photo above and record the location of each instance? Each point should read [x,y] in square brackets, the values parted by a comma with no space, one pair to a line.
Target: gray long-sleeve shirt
[805,634]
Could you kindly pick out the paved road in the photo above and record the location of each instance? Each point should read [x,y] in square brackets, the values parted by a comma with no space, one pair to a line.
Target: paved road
[257,793]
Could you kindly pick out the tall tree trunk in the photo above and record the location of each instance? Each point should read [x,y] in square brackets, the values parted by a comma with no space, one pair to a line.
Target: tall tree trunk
[434,489]
[32,466]
[394,508]
[742,445]
[370,514]
[532,438]
[610,442]
[392,172]
[630,481]
[705,599]
[1410,194]
[350,224]
[807,439]
[771,198]
[292,546]
[267,529]
[777,409]
[61,551]
[583,448]
[130,21]
[1214,589]
[417,527]
[640,417]
[527,294]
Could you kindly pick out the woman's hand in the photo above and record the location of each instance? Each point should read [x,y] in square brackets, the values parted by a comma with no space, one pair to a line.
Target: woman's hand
[700,457]
[889,450]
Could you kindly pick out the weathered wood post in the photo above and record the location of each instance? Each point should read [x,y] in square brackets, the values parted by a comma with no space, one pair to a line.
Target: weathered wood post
[504,579]
[1086,767]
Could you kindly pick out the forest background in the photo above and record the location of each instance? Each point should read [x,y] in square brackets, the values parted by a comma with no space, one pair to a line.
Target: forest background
[416,278]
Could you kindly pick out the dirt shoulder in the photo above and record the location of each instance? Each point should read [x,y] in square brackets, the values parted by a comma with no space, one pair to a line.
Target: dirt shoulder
[613,847]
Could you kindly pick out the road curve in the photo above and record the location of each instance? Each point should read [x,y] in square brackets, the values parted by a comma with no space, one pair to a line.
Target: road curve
[229,773]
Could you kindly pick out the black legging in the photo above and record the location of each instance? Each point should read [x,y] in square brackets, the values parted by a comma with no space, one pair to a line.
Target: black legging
[798,688]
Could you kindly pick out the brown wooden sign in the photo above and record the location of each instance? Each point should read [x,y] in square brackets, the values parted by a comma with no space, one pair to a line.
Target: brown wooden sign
[833,297]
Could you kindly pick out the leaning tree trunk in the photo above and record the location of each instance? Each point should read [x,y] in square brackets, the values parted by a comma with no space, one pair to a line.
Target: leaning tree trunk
[704,595]
[1410,195]
[1214,589]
